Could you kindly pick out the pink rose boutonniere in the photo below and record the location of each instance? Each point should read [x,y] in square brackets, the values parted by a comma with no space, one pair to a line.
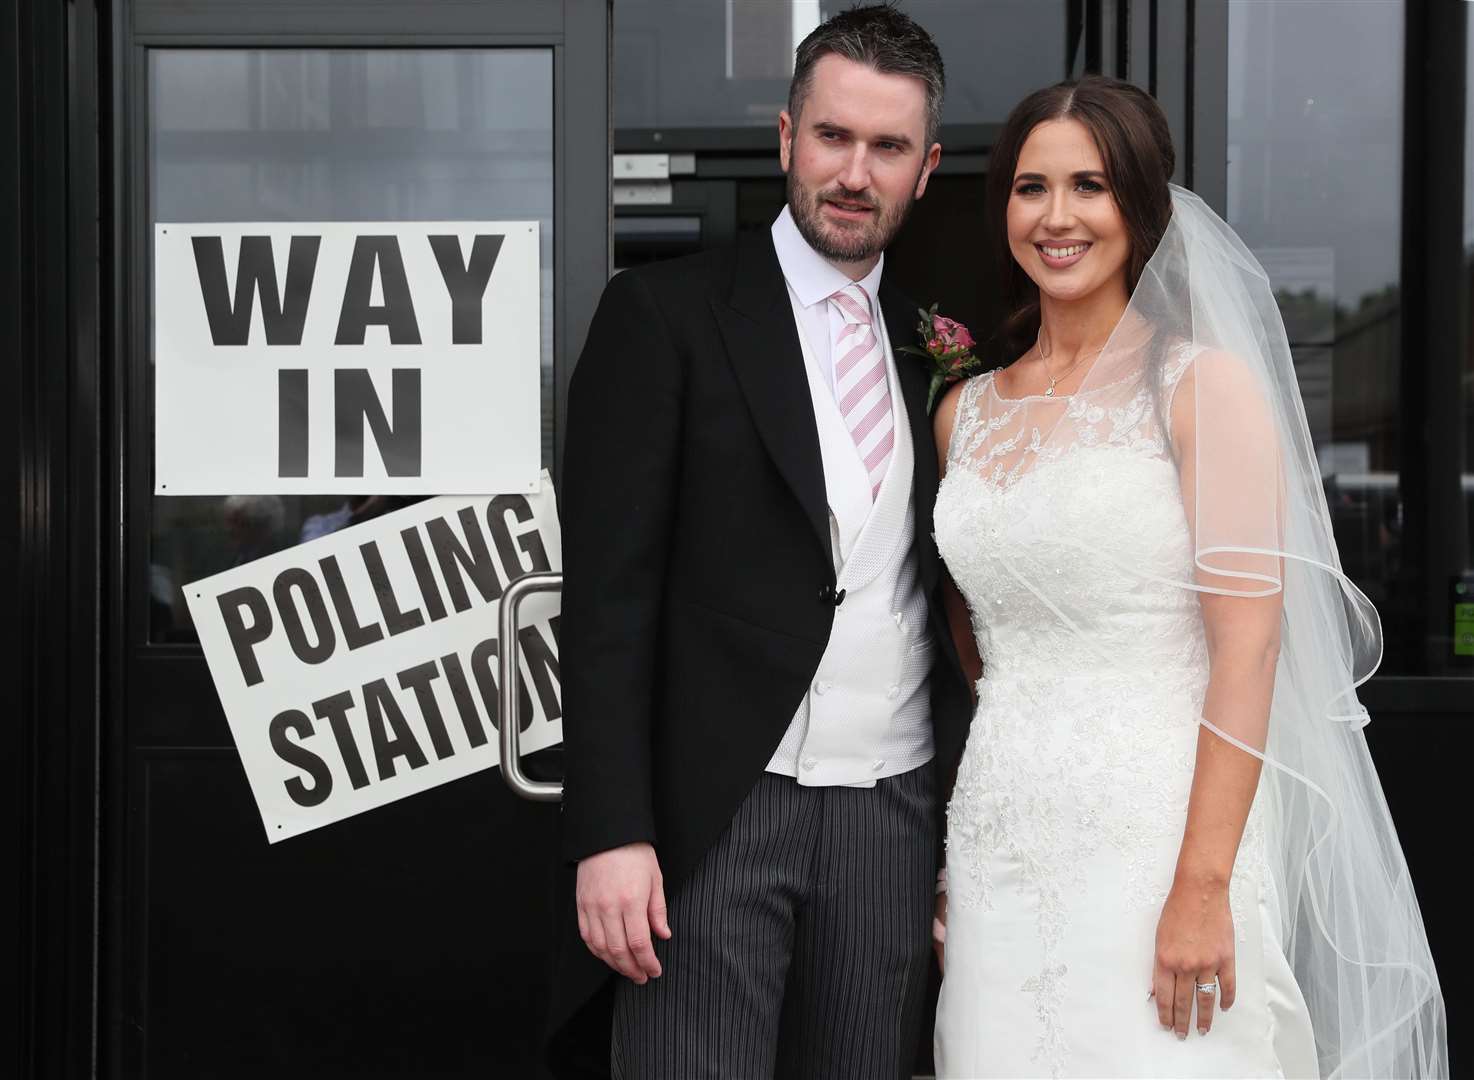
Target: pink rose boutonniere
[947,349]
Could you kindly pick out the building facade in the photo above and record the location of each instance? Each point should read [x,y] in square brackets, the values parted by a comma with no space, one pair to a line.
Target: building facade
[157,934]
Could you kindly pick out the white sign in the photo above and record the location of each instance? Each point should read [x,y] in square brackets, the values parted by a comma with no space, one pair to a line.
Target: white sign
[352,357]
[361,667]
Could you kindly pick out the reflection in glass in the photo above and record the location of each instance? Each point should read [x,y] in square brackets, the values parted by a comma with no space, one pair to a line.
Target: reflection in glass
[335,135]
[1315,145]
[727,63]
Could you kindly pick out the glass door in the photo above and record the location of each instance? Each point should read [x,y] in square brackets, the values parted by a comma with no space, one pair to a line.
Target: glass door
[412,940]
[318,135]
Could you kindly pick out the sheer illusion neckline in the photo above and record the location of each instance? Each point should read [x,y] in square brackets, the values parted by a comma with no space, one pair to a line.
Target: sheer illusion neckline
[1079,392]
[1029,397]
[993,389]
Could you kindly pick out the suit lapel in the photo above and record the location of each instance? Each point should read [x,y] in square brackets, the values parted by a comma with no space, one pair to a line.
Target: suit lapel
[900,324]
[758,328]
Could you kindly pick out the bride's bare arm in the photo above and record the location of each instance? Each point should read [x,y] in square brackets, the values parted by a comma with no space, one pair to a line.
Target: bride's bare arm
[1243,648]
[958,619]
[1195,937]
[959,622]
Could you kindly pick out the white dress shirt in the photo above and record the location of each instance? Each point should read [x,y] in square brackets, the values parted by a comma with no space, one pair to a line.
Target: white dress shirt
[812,280]
[866,715]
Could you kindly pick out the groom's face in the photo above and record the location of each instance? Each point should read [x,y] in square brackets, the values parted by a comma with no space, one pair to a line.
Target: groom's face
[856,158]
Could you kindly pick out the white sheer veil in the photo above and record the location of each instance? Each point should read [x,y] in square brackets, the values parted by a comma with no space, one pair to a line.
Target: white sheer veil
[1203,337]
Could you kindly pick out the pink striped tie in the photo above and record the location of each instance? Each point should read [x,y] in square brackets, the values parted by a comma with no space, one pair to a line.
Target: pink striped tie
[860,384]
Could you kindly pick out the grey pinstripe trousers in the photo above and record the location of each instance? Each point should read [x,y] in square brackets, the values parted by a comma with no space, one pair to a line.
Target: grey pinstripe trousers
[800,944]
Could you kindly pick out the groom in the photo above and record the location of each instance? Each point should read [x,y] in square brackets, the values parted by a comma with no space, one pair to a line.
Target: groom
[760,697]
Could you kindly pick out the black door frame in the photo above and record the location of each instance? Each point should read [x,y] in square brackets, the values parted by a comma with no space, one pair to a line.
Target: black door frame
[578,33]
[73,233]
[51,327]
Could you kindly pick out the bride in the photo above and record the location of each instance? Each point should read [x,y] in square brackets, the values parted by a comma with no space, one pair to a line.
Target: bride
[1167,849]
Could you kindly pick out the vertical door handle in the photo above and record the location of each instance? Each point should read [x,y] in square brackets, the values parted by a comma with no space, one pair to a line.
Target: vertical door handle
[507,685]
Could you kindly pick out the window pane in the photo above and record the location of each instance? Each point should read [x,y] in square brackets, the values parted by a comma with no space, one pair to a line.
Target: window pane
[727,63]
[336,135]
[1315,144]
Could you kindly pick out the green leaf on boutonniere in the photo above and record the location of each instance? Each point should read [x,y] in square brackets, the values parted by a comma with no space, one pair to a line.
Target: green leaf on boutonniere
[946,347]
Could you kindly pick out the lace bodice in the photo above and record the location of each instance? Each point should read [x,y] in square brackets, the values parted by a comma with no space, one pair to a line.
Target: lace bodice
[1015,508]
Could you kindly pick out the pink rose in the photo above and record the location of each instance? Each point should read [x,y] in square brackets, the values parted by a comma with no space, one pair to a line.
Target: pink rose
[953,334]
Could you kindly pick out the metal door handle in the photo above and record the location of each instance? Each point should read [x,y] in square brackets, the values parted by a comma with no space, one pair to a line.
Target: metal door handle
[511,701]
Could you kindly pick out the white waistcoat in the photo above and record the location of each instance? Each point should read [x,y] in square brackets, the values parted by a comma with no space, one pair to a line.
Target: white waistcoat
[866,714]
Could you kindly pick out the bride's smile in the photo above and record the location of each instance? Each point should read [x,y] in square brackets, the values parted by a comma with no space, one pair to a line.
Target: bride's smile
[1063,254]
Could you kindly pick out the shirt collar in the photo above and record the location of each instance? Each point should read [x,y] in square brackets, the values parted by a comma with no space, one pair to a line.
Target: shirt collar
[811,276]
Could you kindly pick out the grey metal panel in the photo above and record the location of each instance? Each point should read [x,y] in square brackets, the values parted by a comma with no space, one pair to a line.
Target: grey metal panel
[766,166]
[1171,52]
[1177,50]
[1209,96]
[380,19]
[764,140]
[581,166]
[1109,23]
[1138,58]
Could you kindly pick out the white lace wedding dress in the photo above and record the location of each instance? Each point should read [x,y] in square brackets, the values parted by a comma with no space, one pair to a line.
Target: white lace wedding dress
[1066,819]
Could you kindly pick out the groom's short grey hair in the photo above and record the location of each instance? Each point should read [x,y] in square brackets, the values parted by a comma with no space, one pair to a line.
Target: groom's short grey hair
[882,37]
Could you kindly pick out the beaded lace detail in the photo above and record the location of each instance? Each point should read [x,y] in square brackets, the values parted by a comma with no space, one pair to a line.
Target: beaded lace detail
[1086,728]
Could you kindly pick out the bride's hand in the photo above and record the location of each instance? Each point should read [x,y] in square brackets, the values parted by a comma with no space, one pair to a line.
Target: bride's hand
[939,931]
[1194,945]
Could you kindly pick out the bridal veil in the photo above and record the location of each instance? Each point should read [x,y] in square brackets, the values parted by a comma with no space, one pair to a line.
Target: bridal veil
[1350,922]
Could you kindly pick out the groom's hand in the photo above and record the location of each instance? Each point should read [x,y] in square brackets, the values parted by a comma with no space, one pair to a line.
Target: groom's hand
[621,899]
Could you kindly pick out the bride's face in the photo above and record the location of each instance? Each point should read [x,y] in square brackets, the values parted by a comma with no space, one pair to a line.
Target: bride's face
[1063,224]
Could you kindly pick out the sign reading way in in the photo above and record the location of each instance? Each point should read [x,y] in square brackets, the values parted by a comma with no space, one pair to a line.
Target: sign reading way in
[361,667]
[354,357]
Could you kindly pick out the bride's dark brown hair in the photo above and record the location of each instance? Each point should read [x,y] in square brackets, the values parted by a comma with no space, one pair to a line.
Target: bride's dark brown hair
[1131,133]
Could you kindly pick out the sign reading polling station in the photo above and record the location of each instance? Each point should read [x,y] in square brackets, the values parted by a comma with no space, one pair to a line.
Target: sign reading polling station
[361,667]
[352,357]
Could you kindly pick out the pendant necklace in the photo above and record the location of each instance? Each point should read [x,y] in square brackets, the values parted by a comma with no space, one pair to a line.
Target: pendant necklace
[1054,379]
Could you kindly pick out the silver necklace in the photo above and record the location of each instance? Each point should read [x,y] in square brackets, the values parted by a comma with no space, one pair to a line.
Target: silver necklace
[1043,359]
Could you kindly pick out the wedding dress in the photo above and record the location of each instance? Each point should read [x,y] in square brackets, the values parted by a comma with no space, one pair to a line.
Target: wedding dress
[1082,531]
[1067,814]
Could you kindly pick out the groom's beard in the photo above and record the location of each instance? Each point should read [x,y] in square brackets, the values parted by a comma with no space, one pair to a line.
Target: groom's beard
[847,243]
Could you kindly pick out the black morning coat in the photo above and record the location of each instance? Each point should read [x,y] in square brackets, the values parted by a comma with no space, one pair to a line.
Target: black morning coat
[699,589]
